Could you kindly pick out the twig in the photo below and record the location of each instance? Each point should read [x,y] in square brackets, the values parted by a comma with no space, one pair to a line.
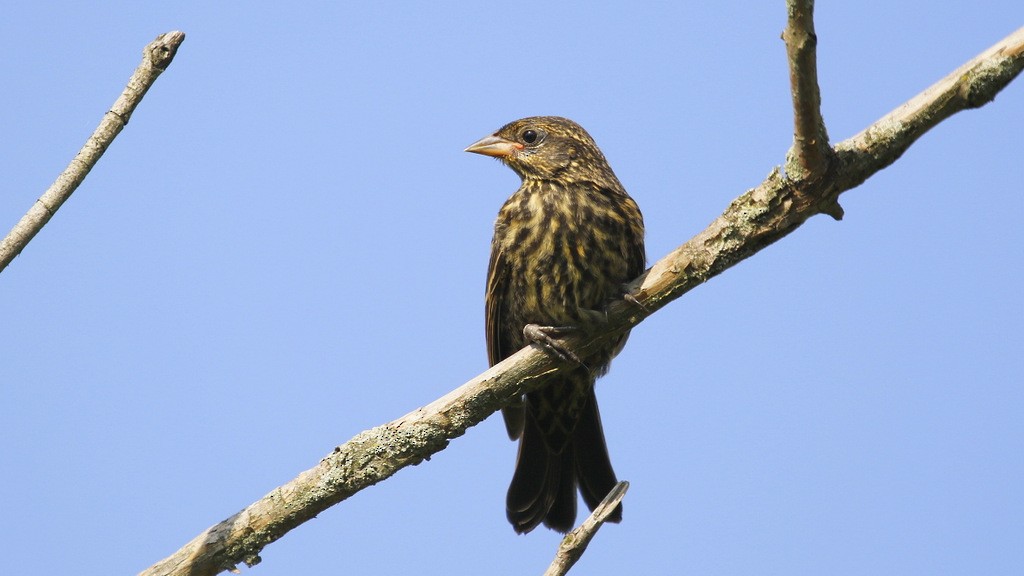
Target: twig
[575,543]
[754,220]
[155,59]
[810,154]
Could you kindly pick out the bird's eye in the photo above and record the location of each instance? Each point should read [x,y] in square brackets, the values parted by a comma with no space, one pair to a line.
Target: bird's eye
[531,136]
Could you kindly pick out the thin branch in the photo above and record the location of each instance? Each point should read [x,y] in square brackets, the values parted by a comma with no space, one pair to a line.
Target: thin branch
[972,85]
[756,219]
[155,59]
[810,155]
[575,543]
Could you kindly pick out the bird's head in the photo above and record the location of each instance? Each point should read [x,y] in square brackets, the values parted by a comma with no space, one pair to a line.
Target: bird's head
[546,147]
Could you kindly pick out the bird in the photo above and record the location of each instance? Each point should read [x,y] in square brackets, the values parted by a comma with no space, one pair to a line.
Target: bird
[564,246]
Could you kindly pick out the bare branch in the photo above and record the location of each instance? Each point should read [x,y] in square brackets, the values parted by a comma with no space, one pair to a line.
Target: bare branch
[156,57]
[756,219]
[972,85]
[810,155]
[366,459]
[779,204]
[575,543]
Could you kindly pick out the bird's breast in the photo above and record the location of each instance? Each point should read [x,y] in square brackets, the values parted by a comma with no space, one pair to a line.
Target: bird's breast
[565,249]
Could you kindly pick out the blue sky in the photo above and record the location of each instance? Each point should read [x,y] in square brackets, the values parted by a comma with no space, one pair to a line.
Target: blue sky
[287,246]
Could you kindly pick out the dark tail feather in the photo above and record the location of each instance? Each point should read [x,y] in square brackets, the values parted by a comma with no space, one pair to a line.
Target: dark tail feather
[562,514]
[543,487]
[593,466]
[531,493]
[515,417]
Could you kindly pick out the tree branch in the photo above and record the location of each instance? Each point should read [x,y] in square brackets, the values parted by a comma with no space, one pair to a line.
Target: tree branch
[156,57]
[575,543]
[972,85]
[756,219]
[810,155]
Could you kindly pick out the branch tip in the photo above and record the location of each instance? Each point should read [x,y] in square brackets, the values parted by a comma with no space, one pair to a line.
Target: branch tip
[834,210]
[575,543]
[156,56]
[160,52]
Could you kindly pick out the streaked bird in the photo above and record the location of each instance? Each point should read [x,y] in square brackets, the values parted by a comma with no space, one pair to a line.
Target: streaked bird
[564,245]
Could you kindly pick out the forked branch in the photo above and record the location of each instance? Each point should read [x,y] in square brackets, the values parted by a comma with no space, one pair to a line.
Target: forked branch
[756,219]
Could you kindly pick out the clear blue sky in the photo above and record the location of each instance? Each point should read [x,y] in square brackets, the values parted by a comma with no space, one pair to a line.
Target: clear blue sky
[287,246]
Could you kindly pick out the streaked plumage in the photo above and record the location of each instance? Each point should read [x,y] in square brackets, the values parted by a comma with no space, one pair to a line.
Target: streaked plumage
[564,244]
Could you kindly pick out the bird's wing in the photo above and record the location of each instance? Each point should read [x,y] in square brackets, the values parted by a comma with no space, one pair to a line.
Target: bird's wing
[498,347]
[638,255]
[497,285]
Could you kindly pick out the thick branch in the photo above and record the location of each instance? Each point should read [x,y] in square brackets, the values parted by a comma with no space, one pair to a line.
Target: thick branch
[756,219]
[810,154]
[156,57]
[366,459]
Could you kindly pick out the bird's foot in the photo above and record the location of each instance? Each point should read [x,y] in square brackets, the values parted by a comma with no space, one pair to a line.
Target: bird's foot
[544,336]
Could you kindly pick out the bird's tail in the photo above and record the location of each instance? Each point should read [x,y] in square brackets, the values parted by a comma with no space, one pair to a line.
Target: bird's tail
[543,487]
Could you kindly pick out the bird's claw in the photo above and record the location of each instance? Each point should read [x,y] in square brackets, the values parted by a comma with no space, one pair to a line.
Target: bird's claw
[544,336]
[632,300]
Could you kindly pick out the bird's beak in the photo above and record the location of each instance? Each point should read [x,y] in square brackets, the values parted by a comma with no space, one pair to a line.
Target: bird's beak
[495,146]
